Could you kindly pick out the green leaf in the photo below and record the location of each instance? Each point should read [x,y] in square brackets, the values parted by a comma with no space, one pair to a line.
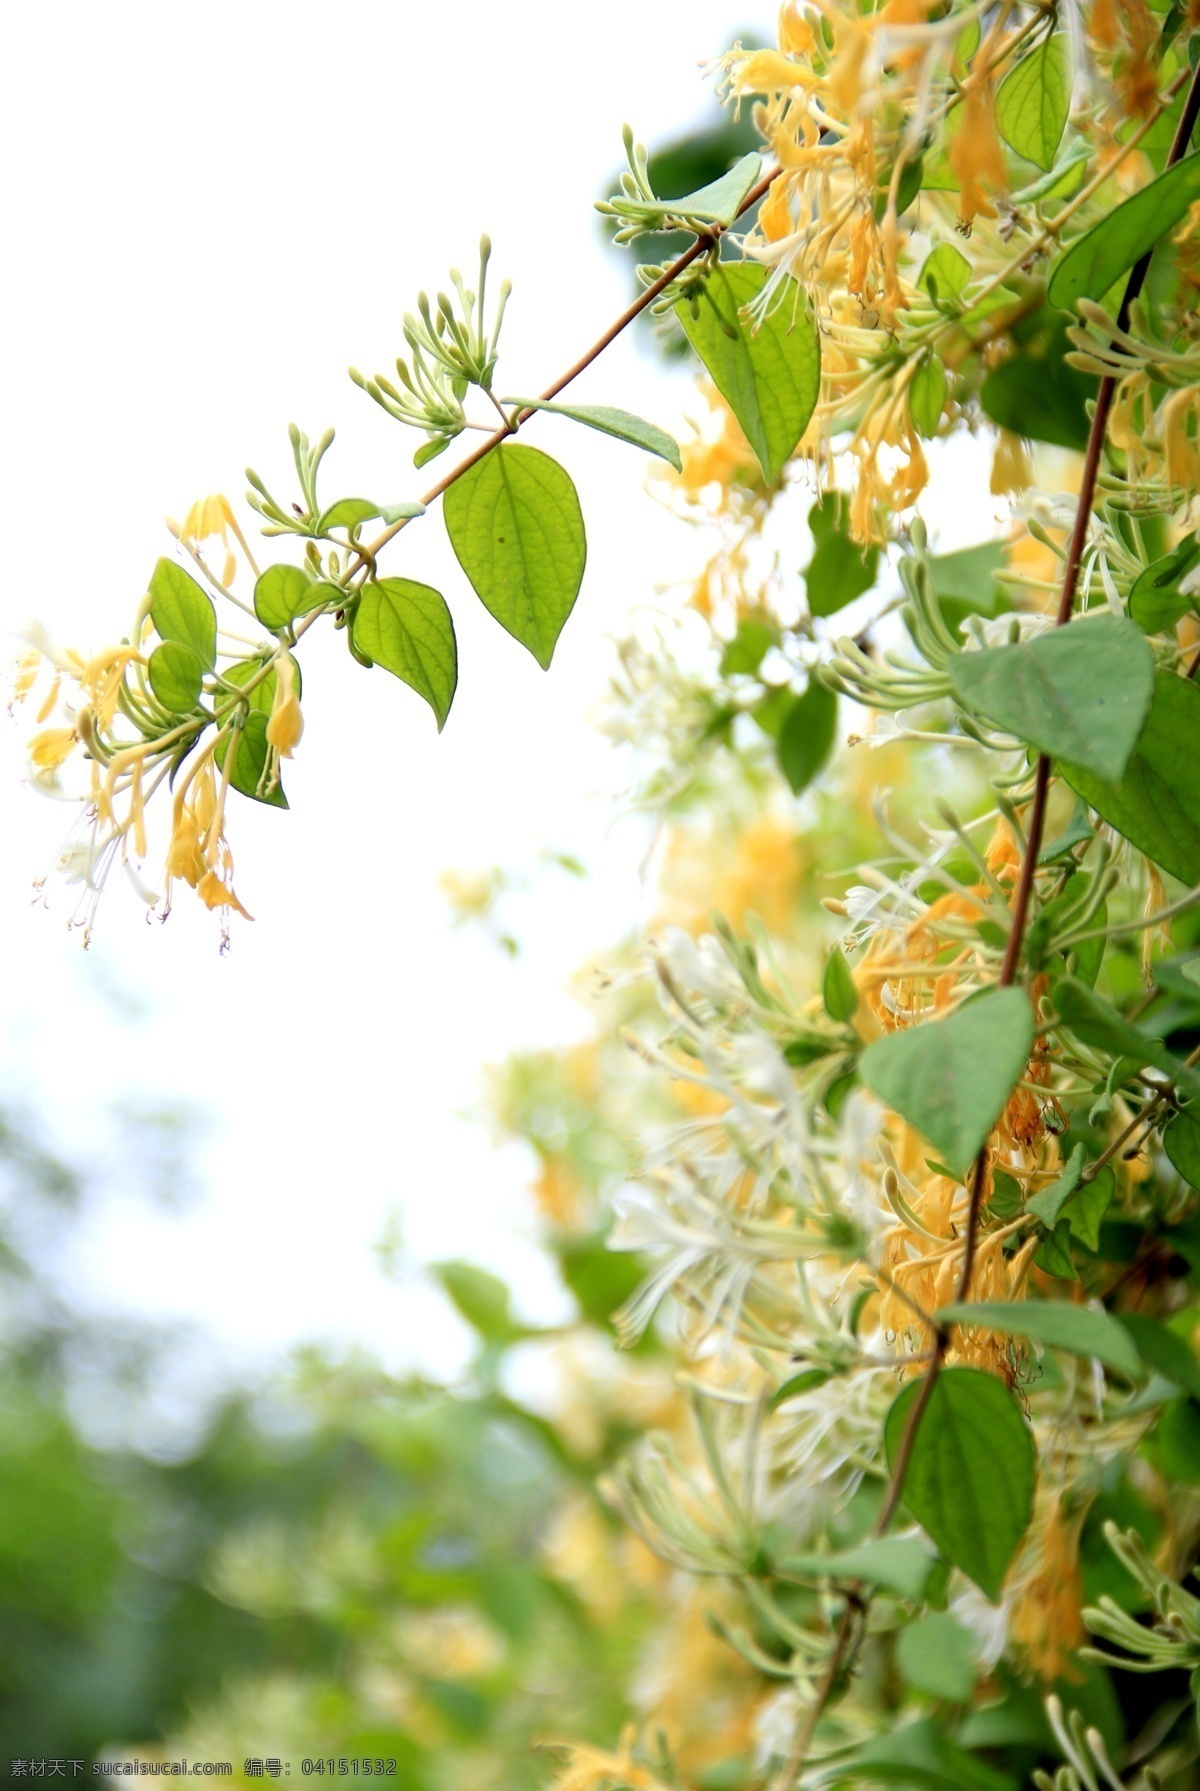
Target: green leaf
[250,752]
[971,1473]
[1155,602]
[1080,693]
[806,737]
[1047,1205]
[840,570]
[1163,1350]
[840,992]
[900,1564]
[797,1383]
[749,647]
[1077,1329]
[1006,1201]
[1096,1022]
[262,695]
[181,611]
[1094,263]
[951,1078]
[347,513]
[945,273]
[909,185]
[431,449]
[406,628]
[769,375]
[1035,392]
[934,1655]
[1033,101]
[482,1299]
[285,592]
[1085,1210]
[720,201]
[176,675]
[515,524]
[927,396]
[620,423]
[1054,1253]
[1181,1142]
[969,576]
[1177,1435]
[917,1757]
[1156,805]
[404,511]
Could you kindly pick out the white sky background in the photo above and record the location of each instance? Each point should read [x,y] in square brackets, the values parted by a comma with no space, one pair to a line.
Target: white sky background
[210,212]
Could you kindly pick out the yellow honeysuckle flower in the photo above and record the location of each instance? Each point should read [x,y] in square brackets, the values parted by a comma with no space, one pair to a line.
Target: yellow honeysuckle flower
[775,218]
[52,747]
[208,516]
[215,894]
[286,723]
[185,857]
[24,675]
[102,679]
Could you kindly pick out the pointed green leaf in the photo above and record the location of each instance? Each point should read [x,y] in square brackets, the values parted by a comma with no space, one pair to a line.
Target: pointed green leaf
[347,513]
[1047,1205]
[1033,101]
[431,449]
[1054,1253]
[482,1299]
[1094,263]
[1080,693]
[176,675]
[620,423]
[971,1474]
[945,273]
[1096,1022]
[406,628]
[1077,1329]
[951,1078]
[770,375]
[840,569]
[1163,1350]
[250,752]
[927,396]
[181,611]
[404,511]
[806,737]
[900,1564]
[1155,601]
[285,592]
[1156,805]
[515,523]
[261,695]
[935,1655]
[1181,1142]
[1086,1208]
[720,201]
[1036,392]
[840,992]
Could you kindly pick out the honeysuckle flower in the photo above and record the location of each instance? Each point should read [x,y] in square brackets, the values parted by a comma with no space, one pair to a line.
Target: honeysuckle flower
[210,518]
[52,748]
[285,724]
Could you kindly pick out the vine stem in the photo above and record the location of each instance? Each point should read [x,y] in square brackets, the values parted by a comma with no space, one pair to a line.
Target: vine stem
[1008,973]
[700,247]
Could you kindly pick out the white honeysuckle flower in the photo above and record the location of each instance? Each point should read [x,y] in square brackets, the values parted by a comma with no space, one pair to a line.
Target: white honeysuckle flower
[985,1622]
[701,966]
[707,1247]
